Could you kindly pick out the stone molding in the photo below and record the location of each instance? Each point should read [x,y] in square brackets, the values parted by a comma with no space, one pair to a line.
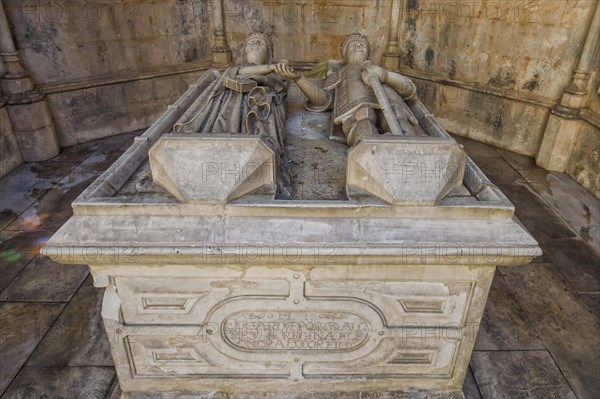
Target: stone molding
[124,77]
[519,96]
[590,117]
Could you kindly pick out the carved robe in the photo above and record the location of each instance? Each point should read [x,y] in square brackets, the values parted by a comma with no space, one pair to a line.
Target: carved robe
[259,110]
[240,105]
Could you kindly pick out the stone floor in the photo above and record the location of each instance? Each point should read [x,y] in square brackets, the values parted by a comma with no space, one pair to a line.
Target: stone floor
[539,337]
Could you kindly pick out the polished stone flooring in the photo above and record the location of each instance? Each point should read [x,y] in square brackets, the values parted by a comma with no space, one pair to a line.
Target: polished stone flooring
[539,337]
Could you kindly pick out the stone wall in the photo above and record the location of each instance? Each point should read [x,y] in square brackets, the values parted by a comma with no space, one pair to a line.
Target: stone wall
[494,68]
[491,70]
[584,163]
[308,31]
[109,66]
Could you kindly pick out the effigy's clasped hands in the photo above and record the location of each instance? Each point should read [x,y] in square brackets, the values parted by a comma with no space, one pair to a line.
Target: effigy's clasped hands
[369,69]
[284,70]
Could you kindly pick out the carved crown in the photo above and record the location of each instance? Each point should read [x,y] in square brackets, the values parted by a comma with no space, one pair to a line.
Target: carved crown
[352,37]
[260,36]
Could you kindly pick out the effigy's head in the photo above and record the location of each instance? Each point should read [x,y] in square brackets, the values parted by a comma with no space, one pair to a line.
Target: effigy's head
[355,48]
[258,49]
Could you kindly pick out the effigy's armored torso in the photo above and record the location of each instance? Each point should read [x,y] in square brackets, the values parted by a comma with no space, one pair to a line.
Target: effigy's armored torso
[370,280]
[351,92]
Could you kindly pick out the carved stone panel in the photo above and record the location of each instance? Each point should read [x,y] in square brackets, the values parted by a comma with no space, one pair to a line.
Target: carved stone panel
[201,169]
[177,354]
[180,300]
[401,171]
[395,357]
[404,303]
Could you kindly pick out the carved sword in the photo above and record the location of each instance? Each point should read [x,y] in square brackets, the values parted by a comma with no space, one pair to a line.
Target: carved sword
[384,103]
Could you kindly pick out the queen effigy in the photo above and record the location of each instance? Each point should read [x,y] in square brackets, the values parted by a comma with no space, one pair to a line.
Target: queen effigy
[232,272]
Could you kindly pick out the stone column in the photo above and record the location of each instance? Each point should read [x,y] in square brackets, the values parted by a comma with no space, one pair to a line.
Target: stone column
[26,104]
[221,54]
[391,57]
[10,153]
[564,121]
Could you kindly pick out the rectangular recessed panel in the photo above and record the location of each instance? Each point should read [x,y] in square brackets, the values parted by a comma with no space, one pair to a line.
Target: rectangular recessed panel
[165,303]
[179,300]
[416,306]
[420,356]
[184,356]
[402,303]
[152,356]
[412,358]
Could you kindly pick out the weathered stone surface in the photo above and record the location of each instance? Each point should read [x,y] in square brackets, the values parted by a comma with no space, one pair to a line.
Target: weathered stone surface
[477,150]
[492,119]
[17,249]
[470,389]
[583,214]
[585,158]
[23,327]
[405,171]
[68,176]
[99,67]
[504,325]
[209,168]
[78,337]
[76,112]
[67,382]
[261,296]
[29,182]
[592,303]
[577,262]
[521,163]
[569,330]
[499,95]
[539,219]
[314,28]
[371,394]
[18,191]
[519,374]
[491,163]
[115,390]
[45,281]
[54,207]
[10,153]
[34,130]
[177,35]
[556,147]
[317,167]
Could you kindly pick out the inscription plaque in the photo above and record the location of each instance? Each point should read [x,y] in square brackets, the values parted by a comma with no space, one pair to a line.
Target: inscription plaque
[295,330]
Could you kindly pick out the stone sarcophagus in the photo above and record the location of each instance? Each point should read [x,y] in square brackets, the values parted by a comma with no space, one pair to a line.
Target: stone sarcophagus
[233,270]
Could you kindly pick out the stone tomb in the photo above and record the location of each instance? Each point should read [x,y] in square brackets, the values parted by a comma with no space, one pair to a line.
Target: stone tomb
[215,287]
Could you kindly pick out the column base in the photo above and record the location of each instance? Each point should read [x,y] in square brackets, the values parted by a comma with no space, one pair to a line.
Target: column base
[557,142]
[221,58]
[34,130]
[390,61]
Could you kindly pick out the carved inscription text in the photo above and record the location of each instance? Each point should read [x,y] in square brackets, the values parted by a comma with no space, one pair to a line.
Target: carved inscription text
[295,330]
